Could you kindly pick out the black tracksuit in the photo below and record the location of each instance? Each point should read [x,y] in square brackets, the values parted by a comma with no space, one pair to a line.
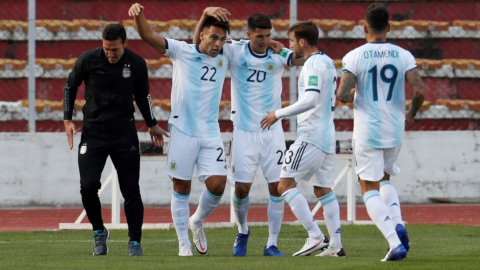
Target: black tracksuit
[109,128]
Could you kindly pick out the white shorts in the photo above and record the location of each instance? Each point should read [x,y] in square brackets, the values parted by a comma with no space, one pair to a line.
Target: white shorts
[185,152]
[305,161]
[371,163]
[251,148]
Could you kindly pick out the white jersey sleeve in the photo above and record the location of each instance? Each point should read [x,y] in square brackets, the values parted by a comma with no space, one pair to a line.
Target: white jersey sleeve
[173,47]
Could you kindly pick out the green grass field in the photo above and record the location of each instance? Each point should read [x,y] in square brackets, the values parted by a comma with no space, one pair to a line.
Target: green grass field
[433,247]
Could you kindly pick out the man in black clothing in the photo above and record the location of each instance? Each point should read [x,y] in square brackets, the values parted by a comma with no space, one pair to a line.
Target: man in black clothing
[113,76]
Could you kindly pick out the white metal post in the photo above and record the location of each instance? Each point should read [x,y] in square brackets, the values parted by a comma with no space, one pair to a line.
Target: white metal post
[351,211]
[31,66]
[293,70]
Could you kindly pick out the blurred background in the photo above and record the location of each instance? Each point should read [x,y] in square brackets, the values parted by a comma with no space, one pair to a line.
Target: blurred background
[442,35]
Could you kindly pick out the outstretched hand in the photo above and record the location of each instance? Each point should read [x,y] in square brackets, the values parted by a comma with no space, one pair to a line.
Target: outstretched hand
[269,120]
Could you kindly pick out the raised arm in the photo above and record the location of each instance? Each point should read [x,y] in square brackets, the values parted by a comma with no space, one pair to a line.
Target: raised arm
[144,30]
[415,81]
[219,13]
[346,85]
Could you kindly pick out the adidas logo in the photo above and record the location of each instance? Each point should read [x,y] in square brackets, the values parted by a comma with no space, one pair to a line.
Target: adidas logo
[394,204]
[244,64]
[338,230]
[197,59]
[133,148]
[387,218]
[284,168]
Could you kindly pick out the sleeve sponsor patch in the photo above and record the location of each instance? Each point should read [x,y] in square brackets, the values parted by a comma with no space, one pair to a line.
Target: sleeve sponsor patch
[344,65]
[313,81]
[283,53]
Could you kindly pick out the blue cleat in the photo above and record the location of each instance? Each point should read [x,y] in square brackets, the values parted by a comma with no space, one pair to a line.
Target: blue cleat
[396,254]
[403,235]
[272,251]
[240,245]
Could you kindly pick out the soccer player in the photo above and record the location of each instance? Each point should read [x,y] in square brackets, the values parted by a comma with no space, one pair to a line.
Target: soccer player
[198,77]
[312,155]
[256,75]
[379,70]
[113,75]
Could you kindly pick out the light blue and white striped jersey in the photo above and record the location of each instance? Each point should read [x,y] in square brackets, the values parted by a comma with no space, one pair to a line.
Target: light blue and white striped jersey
[256,84]
[316,125]
[379,107]
[197,83]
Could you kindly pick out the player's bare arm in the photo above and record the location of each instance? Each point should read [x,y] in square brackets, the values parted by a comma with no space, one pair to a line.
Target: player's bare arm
[144,30]
[221,14]
[415,81]
[70,130]
[346,85]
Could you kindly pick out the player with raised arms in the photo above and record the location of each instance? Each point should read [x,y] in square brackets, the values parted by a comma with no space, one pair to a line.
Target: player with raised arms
[312,155]
[379,70]
[198,77]
[256,73]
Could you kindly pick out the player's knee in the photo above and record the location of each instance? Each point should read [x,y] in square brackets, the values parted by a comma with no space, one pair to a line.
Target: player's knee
[242,190]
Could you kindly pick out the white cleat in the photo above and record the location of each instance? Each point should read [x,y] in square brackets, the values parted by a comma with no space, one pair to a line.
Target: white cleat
[185,251]
[312,246]
[199,238]
[332,253]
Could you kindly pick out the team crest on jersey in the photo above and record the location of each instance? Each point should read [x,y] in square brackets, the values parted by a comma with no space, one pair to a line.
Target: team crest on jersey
[83,149]
[126,72]
[173,166]
[270,66]
[220,62]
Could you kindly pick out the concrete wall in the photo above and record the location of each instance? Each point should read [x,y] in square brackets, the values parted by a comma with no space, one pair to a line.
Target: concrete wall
[38,169]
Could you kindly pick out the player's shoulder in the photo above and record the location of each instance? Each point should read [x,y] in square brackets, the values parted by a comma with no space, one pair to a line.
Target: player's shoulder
[319,60]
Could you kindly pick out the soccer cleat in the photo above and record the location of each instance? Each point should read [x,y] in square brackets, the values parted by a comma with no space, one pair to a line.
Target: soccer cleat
[134,249]
[240,245]
[403,235]
[395,254]
[332,253]
[185,251]
[199,238]
[100,239]
[312,246]
[272,251]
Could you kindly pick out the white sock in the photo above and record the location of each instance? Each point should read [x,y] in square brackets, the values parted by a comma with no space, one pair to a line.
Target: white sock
[331,213]
[378,212]
[180,213]
[275,218]
[206,204]
[389,195]
[241,207]
[300,208]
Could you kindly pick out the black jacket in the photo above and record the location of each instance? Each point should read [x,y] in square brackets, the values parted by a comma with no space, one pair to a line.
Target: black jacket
[109,90]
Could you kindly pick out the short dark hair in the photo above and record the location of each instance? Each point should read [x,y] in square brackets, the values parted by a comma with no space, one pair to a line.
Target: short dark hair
[306,30]
[211,21]
[259,20]
[114,31]
[377,17]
